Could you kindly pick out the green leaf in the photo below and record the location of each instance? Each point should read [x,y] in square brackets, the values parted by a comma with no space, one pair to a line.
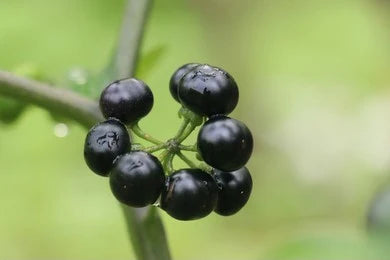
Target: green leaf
[81,81]
[149,61]
[10,110]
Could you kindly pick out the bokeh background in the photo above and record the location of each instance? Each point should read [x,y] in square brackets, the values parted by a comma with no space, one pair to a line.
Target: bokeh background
[314,78]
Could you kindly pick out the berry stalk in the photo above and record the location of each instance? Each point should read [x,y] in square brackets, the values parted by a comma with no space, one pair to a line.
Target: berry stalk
[141,134]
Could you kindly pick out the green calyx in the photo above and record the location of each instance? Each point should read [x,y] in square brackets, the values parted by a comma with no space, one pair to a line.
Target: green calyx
[173,146]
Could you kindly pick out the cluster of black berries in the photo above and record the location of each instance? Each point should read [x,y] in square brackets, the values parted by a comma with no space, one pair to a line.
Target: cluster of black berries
[138,179]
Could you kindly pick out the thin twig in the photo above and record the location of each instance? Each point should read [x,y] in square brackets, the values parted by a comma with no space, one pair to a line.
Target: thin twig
[52,98]
[189,148]
[133,27]
[186,160]
[140,133]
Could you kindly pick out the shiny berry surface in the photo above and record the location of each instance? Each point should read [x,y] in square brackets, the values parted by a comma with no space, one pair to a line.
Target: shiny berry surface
[189,194]
[225,143]
[208,91]
[104,142]
[177,76]
[137,179]
[127,100]
[235,189]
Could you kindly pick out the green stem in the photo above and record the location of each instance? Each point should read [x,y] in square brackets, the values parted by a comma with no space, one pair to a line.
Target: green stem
[186,160]
[147,233]
[154,148]
[130,37]
[188,130]
[140,133]
[163,155]
[190,148]
[52,98]
[205,167]
[169,163]
[183,127]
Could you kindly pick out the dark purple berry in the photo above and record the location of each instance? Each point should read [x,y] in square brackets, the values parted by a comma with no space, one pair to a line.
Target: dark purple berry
[104,142]
[235,189]
[137,179]
[177,76]
[189,194]
[127,100]
[208,91]
[225,143]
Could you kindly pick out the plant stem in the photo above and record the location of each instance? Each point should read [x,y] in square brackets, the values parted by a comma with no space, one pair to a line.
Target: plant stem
[188,130]
[140,133]
[186,159]
[163,155]
[183,127]
[190,148]
[205,167]
[154,148]
[130,37]
[52,98]
[147,233]
[169,163]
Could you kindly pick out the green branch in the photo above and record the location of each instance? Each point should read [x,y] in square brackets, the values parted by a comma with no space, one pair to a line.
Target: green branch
[52,98]
[130,37]
[144,225]
[140,133]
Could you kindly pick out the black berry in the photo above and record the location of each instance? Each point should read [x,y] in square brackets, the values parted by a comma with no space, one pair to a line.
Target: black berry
[225,143]
[189,194]
[137,179]
[104,142]
[177,76]
[235,189]
[127,100]
[208,91]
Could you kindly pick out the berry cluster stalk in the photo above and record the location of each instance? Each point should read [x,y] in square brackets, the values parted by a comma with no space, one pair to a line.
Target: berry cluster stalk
[174,146]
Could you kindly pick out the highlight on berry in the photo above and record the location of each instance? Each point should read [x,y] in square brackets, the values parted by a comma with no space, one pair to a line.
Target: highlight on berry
[218,181]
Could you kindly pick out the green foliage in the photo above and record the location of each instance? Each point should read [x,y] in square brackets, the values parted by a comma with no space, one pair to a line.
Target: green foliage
[88,84]
[149,61]
[11,109]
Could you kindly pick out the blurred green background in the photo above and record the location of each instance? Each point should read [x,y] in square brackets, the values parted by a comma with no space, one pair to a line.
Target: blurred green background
[314,78]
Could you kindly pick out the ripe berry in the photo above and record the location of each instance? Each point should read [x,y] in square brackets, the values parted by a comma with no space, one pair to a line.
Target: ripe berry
[189,194]
[225,143]
[104,142]
[137,179]
[127,100]
[235,189]
[177,76]
[208,91]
